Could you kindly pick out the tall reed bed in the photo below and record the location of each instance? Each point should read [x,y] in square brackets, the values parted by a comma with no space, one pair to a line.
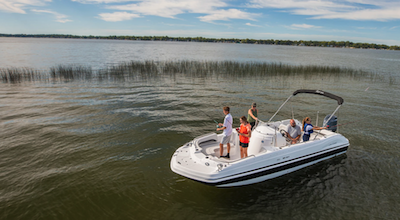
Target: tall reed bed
[70,72]
[153,69]
[14,75]
[229,69]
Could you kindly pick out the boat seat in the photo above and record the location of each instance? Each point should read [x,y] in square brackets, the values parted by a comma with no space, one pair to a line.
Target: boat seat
[212,148]
[208,147]
[207,143]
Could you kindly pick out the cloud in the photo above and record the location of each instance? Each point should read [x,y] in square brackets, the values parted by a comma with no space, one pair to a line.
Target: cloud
[302,26]
[101,1]
[18,6]
[59,17]
[365,14]
[298,4]
[225,15]
[170,8]
[179,25]
[252,25]
[118,16]
[213,10]
[366,28]
[383,10]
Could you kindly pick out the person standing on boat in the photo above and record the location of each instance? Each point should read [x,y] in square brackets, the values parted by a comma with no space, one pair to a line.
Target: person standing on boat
[293,132]
[252,115]
[244,135]
[308,128]
[227,132]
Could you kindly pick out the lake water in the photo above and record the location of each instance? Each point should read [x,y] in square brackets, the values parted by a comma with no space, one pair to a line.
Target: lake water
[101,149]
[42,53]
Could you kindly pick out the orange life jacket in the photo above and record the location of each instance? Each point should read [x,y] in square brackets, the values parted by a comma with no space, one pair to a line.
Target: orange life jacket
[243,129]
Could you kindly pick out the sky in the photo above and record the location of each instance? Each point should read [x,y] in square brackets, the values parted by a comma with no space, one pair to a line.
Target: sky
[366,21]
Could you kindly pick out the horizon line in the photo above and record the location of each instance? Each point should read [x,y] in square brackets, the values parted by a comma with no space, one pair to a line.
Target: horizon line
[117,37]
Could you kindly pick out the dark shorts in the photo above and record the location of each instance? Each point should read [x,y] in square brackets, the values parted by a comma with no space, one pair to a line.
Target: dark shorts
[306,137]
[244,145]
[252,124]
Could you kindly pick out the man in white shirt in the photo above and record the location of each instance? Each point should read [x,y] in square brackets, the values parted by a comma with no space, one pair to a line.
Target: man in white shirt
[227,132]
[293,132]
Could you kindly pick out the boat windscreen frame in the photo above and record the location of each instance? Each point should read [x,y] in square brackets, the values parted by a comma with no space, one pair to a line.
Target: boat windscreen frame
[316,92]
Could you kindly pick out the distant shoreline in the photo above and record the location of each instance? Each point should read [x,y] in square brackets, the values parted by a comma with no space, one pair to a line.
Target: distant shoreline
[333,44]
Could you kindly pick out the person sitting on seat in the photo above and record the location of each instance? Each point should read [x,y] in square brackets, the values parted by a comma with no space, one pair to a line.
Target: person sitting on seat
[308,128]
[293,132]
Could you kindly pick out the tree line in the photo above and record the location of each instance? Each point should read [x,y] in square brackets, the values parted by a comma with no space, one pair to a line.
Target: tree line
[346,44]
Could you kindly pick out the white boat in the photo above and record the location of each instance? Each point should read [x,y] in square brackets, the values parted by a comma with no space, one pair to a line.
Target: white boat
[270,154]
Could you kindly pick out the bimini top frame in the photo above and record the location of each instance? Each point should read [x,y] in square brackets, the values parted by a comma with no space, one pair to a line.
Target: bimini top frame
[320,92]
[316,92]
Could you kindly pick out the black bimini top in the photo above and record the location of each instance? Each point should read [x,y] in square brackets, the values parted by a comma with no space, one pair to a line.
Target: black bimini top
[320,92]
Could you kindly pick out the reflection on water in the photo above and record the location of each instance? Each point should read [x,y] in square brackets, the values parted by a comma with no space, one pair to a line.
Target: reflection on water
[101,149]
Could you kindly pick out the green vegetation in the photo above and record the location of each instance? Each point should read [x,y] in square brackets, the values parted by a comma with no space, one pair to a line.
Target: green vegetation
[19,74]
[345,44]
[70,72]
[144,70]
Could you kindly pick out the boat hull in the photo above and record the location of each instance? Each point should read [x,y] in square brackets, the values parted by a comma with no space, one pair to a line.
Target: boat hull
[255,168]
[270,154]
[277,170]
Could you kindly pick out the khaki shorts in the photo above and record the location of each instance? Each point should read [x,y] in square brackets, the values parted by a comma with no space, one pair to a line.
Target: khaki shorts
[225,139]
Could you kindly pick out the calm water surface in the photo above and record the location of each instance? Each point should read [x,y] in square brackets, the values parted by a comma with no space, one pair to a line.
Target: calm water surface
[42,53]
[101,150]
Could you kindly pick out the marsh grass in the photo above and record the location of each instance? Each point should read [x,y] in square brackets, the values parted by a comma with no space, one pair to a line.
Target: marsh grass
[15,75]
[197,69]
[70,72]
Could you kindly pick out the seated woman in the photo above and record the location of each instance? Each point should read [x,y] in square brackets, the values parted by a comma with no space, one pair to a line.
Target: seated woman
[308,128]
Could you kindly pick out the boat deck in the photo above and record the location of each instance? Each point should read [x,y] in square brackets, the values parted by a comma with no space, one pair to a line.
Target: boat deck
[211,148]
